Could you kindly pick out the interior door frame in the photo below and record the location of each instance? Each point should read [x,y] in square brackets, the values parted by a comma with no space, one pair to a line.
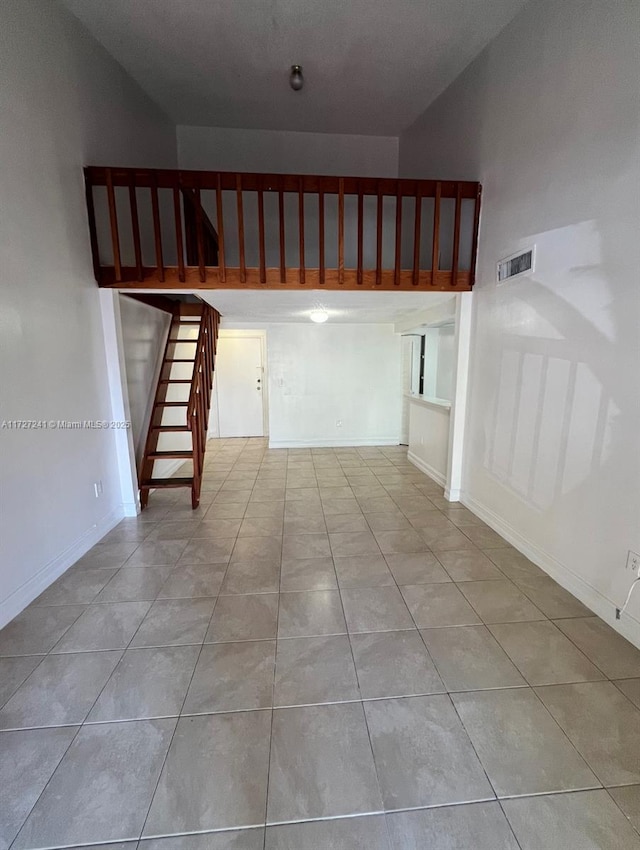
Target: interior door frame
[261,335]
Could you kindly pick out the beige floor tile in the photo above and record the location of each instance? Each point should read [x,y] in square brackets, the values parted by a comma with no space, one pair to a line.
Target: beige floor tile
[608,650]
[603,725]
[499,601]
[436,605]
[543,654]
[363,571]
[588,819]
[417,568]
[469,658]
[628,799]
[630,688]
[519,743]
[375,609]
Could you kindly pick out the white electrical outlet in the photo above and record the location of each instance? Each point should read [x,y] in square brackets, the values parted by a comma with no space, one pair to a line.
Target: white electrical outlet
[98,489]
[633,562]
[338,423]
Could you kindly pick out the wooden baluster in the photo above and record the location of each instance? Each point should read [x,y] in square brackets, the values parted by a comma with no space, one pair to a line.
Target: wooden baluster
[456,237]
[283,249]
[200,236]
[301,227]
[476,231]
[222,275]
[398,253]
[135,226]
[360,232]
[435,259]
[321,231]
[157,234]
[261,246]
[341,230]
[113,220]
[379,237]
[416,235]
[243,266]
[179,241]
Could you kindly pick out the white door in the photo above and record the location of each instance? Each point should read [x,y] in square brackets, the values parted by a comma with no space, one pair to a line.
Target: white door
[239,377]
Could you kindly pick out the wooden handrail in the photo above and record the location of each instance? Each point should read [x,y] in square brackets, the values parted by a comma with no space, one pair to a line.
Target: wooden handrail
[374,248]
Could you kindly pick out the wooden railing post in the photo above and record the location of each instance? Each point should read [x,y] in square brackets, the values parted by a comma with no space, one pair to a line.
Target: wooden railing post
[416,235]
[179,241]
[435,252]
[321,258]
[341,231]
[113,221]
[456,238]
[157,233]
[220,223]
[360,264]
[281,236]
[301,228]
[379,211]
[476,230]
[398,247]
[261,246]
[243,266]
[200,237]
[135,227]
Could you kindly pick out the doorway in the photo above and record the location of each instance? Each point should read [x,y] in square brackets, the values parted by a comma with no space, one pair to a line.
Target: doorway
[240,384]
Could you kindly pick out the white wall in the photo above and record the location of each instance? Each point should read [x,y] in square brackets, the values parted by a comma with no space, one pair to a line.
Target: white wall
[64,103]
[144,333]
[547,119]
[282,152]
[270,151]
[429,438]
[320,374]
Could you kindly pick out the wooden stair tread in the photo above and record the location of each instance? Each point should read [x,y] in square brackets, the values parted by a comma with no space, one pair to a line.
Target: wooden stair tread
[171,403]
[157,483]
[187,454]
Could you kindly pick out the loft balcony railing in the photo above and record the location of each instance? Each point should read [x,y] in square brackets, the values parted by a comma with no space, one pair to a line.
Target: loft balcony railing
[160,229]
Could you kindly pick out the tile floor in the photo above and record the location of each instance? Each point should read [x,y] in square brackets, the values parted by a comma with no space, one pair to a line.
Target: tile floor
[325,648]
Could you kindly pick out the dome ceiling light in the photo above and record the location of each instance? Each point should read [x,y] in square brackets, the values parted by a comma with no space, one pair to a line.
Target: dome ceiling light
[318,316]
[296,80]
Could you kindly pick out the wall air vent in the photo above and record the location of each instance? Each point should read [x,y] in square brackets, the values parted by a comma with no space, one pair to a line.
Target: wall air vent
[517,265]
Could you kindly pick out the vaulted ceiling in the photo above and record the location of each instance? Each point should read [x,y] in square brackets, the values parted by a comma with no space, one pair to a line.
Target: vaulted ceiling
[370,66]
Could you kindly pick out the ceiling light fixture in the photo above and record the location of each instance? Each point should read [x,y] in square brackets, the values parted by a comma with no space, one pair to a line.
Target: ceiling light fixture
[296,80]
[318,316]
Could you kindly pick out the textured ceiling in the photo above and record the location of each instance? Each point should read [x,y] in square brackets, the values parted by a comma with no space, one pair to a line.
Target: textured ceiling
[371,66]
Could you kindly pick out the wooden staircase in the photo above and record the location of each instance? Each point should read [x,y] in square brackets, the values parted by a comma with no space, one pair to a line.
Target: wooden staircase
[180,415]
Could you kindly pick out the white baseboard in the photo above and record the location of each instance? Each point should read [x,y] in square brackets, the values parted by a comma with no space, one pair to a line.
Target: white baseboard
[130,509]
[427,469]
[33,587]
[627,626]
[452,495]
[331,444]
